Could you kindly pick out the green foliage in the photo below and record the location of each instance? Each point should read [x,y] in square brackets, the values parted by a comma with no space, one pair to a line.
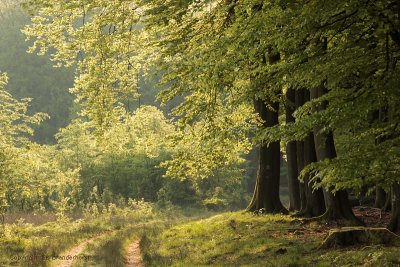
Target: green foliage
[123,160]
[34,77]
[15,147]
[101,38]
[216,53]
[110,46]
[90,170]
[215,57]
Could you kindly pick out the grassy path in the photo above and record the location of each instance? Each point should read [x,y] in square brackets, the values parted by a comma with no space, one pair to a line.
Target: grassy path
[67,258]
[133,256]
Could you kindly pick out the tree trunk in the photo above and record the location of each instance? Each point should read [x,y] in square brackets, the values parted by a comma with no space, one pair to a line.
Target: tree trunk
[380,198]
[388,202]
[312,201]
[291,156]
[266,193]
[299,101]
[394,224]
[315,203]
[337,205]
[300,164]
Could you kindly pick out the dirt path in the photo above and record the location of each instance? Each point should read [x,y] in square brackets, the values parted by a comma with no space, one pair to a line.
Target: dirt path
[133,256]
[69,256]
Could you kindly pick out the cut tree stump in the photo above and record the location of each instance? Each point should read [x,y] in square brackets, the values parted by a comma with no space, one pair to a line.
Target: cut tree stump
[351,236]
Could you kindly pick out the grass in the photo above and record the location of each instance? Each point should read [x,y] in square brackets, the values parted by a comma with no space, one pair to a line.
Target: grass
[242,239]
[40,243]
[110,250]
[186,239]
[27,245]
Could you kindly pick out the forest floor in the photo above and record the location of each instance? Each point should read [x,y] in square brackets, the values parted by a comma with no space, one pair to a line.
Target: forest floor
[206,239]
[372,217]
[243,239]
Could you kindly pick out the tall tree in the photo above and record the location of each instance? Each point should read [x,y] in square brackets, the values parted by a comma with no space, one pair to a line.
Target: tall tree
[291,154]
[337,204]
[266,193]
[312,200]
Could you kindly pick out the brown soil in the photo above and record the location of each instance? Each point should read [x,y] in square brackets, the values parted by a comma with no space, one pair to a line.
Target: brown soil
[372,217]
[133,256]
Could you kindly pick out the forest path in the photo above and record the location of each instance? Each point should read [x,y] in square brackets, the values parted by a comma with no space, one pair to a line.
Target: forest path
[133,256]
[72,254]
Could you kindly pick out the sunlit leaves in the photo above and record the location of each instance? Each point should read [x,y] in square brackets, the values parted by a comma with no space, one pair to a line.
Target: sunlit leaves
[27,171]
[14,122]
[102,38]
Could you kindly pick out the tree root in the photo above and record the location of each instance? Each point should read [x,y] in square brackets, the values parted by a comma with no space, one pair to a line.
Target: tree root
[360,235]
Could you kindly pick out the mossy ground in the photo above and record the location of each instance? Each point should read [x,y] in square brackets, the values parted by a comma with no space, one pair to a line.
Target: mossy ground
[242,239]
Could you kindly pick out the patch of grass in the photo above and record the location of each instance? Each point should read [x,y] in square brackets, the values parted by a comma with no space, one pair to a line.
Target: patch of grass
[110,250]
[104,251]
[242,239]
[359,256]
[26,245]
[35,218]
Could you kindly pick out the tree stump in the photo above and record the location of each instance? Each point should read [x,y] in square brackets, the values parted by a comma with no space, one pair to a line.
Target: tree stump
[351,236]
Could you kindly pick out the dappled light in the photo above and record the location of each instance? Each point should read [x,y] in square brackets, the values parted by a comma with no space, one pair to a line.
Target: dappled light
[199,133]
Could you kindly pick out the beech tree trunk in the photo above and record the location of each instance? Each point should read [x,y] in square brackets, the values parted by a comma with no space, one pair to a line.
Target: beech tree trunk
[380,194]
[315,203]
[300,165]
[337,205]
[380,198]
[312,201]
[291,156]
[394,224]
[299,101]
[266,193]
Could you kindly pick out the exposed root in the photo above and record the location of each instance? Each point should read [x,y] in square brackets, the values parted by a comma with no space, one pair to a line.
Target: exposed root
[360,235]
